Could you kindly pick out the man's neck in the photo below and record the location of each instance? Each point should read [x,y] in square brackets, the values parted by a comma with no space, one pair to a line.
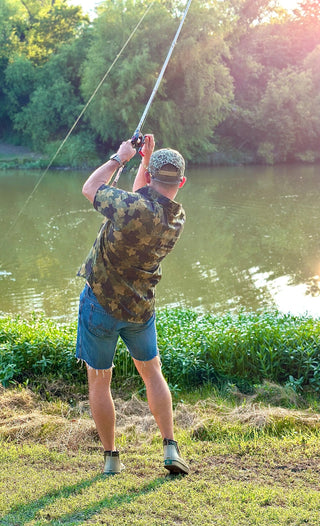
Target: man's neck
[169,191]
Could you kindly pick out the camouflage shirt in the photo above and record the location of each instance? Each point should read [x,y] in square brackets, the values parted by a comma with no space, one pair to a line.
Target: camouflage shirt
[123,266]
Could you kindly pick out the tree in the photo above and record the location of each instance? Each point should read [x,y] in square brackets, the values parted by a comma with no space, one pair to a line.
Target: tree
[30,32]
[37,28]
[52,98]
[308,9]
[312,62]
[20,80]
[115,110]
[272,118]
[194,94]
[45,26]
[288,115]
[199,82]
[8,45]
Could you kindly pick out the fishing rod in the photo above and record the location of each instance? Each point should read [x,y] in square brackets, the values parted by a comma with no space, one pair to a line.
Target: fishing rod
[137,139]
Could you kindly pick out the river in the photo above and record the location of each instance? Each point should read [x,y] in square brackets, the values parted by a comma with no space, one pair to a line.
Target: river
[251,241]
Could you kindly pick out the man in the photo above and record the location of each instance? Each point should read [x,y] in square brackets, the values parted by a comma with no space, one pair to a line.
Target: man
[122,269]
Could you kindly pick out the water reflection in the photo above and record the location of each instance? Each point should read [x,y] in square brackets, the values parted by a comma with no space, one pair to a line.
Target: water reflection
[251,241]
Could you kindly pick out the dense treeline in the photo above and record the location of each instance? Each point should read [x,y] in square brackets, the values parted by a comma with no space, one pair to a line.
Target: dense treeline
[242,84]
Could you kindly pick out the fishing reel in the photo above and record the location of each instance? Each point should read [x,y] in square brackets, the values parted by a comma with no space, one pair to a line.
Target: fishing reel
[137,141]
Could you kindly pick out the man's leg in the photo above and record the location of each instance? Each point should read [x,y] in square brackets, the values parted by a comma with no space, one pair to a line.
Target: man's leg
[101,405]
[158,394]
[160,403]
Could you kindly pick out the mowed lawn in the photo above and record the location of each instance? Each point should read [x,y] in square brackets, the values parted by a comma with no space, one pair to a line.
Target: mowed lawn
[249,465]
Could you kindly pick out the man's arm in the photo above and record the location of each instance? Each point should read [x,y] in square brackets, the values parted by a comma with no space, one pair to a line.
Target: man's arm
[146,150]
[104,173]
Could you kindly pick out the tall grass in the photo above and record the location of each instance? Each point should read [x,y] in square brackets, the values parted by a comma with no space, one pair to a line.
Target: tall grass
[244,349]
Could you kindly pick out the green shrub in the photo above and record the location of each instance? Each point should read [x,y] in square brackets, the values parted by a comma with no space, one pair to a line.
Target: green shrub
[77,152]
[245,350]
[36,348]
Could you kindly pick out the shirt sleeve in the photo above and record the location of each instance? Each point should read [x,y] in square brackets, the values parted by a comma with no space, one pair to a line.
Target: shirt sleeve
[113,202]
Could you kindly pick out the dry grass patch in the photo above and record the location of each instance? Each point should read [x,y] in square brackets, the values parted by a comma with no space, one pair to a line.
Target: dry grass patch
[261,417]
[250,416]
[25,417]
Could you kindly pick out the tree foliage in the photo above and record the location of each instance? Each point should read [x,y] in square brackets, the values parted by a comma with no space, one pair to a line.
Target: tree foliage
[243,77]
[54,102]
[39,27]
[275,117]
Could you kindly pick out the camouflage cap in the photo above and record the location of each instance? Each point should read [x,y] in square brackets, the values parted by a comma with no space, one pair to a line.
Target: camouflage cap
[166,166]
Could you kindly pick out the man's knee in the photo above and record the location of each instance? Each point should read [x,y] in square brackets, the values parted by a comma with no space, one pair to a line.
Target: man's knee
[98,377]
[149,370]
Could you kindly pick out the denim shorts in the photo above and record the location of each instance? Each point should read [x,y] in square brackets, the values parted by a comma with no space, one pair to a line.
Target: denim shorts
[98,333]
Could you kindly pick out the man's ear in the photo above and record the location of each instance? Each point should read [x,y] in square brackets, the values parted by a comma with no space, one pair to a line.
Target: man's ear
[183,180]
[147,176]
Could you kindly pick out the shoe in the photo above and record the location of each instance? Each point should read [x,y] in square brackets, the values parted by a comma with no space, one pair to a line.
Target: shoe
[172,460]
[112,464]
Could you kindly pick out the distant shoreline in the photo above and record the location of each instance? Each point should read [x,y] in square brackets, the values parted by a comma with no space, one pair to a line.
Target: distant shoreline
[21,157]
[10,151]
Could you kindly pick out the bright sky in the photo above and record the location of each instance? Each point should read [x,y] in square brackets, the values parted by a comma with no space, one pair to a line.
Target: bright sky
[89,5]
[289,4]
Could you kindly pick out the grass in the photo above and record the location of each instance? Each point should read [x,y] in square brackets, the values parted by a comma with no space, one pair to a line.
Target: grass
[250,464]
[246,404]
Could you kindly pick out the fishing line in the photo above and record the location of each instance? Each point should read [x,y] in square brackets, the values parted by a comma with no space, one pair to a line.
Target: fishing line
[137,138]
[74,125]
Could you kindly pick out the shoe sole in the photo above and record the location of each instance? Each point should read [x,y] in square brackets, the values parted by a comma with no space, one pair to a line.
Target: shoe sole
[176,467]
[122,468]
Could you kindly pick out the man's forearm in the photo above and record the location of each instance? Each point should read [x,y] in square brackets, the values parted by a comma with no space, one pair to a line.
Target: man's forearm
[140,179]
[103,174]
[100,176]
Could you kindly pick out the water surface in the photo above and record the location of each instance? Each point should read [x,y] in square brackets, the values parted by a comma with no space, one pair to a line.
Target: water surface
[251,241]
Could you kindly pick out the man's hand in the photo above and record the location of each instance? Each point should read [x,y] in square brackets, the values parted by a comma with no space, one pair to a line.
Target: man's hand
[126,151]
[147,148]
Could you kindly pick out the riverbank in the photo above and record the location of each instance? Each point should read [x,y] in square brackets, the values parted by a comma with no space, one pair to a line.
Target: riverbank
[12,156]
[253,447]
[249,464]
[21,157]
